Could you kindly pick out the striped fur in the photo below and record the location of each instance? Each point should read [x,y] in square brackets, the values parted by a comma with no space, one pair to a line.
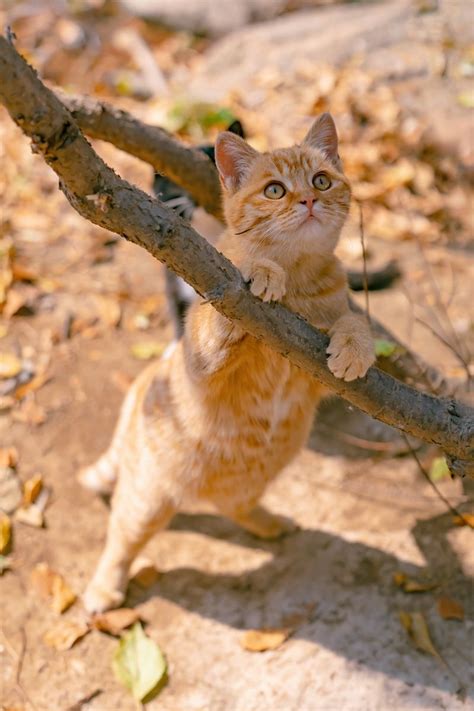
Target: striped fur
[223,414]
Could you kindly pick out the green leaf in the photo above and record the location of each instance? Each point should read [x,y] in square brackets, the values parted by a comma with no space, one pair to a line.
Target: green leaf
[138,662]
[384,348]
[439,469]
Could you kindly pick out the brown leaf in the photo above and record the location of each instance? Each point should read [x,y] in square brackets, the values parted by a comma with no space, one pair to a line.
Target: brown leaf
[5,532]
[63,596]
[51,585]
[450,609]
[467,519]
[65,634]
[8,457]
[410,585]
[416,627]
[115,621]
[264,639]
[34,384]
[31,489]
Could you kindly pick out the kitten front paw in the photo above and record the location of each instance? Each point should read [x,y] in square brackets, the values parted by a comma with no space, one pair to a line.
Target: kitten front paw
[267,279]
[349,358]
[99,599]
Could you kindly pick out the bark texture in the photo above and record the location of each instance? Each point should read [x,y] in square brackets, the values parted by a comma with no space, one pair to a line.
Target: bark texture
[102,197]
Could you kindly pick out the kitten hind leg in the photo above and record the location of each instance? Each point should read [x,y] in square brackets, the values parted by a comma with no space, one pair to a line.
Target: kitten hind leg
[133,520]
[263,523]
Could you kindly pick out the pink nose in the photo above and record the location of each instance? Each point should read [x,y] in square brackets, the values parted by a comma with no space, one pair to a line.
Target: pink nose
[309,202]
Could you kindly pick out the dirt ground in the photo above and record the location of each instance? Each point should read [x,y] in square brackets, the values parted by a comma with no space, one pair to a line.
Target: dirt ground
[84,305]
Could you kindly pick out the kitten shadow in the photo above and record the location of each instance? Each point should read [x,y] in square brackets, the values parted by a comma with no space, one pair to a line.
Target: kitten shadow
[340,593]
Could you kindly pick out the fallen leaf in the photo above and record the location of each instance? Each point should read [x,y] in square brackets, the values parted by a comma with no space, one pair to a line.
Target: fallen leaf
[417,629]
[5,532]
[138,662]
[115,621]
[31,489]
[51,585]
[30,515]
[65,634]
[410,585]
[439,469]
[6,563]
[63,596]
[467,519]
[264,639]
[147,350]
[466,99]
[34,384]
[8,457]
[30,413]
[10,365]
[384,348]
[450,609]
[10,490]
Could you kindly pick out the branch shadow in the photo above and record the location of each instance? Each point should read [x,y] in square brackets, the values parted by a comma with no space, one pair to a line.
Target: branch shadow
[340,592]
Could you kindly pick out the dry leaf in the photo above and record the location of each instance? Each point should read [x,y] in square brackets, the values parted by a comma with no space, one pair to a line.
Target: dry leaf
[10,490]
[30,515]
[37,382]
[147,350]
[31,489]
[63,596]
[115,621]
[416,627]
[467,519]
[65,634]
[450,609]
[10,365]
[51,585]
[410,585]
[8,457]
[5,532]
[264,639]
[6,563]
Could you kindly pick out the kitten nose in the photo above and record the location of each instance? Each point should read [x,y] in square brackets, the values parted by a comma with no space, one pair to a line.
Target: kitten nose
[309,202]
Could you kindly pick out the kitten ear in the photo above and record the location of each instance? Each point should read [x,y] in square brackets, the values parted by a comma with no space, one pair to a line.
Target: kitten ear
[323,135]
[234,158]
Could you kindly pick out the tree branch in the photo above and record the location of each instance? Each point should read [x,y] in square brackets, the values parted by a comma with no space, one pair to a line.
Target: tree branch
[102,197]
[192,170]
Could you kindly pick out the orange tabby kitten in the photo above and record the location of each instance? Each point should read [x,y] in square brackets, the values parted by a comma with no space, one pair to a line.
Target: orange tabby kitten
[221,417]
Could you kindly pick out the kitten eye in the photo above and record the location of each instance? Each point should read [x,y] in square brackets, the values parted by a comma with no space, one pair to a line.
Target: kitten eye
[321,181]
[274,191]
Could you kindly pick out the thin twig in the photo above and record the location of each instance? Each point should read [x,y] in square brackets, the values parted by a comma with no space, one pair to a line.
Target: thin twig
[18,658]
[449,345]
[452,509]
[364,258]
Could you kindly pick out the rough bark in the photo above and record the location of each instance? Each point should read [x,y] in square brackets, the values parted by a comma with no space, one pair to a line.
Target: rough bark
[102,197]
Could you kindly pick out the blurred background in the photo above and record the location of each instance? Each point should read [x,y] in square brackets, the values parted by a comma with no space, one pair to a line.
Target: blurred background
[81,312]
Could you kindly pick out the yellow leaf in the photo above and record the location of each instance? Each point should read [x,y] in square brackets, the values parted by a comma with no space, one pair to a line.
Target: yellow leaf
[115,621]
[63,596]
[264,639]
[416,627]
[410,585]
[10,365]
[65,634]
[5,532]
[450,609]
[31,489]
[145,351]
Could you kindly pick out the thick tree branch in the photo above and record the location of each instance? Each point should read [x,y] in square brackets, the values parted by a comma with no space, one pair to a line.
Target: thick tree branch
[102,197]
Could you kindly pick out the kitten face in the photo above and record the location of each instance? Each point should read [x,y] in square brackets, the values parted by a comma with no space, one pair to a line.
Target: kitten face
[289,201]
